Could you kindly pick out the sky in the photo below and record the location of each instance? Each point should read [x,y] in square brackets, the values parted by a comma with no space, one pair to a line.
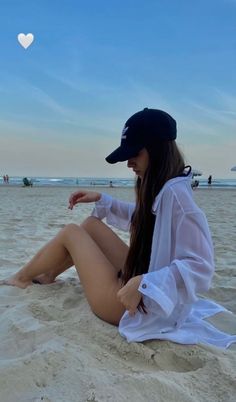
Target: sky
[64,100]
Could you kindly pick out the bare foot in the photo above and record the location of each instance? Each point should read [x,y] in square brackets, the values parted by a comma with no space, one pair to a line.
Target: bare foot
[14,281]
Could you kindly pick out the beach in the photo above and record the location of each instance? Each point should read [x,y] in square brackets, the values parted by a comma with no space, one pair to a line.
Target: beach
[53,348]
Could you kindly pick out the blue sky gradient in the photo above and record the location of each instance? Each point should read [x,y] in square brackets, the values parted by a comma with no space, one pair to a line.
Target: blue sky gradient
[64,100]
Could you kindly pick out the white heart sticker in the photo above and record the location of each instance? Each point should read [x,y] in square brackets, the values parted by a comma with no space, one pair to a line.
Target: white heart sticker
[25,40]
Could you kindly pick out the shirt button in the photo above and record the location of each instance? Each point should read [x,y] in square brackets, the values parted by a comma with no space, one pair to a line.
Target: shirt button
[144,285]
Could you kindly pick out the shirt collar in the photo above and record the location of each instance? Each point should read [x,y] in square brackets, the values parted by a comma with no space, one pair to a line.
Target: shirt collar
[169,183]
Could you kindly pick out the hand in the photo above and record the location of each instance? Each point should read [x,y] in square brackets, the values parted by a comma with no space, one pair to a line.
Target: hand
[129,295]
[83,196]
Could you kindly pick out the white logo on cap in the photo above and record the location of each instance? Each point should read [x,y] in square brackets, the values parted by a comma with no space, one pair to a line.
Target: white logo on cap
[123,137]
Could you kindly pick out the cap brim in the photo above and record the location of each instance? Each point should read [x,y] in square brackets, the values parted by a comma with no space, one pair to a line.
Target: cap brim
[122,154]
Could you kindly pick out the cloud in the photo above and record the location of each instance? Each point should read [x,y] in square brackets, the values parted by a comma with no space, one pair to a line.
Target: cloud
[218,115]
[228,101]
[82,137]
[48,101]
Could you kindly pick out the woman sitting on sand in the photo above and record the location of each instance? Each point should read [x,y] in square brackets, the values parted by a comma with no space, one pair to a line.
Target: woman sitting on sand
[150,288]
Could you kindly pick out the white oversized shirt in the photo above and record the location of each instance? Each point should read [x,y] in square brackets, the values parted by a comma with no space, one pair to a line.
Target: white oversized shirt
[181,266]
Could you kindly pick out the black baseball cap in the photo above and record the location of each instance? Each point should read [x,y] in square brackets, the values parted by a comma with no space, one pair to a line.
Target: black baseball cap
[147,127]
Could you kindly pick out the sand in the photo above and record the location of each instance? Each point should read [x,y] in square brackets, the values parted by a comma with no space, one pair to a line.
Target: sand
[52,348]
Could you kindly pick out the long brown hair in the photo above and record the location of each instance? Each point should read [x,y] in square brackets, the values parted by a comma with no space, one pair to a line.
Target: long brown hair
[165,162]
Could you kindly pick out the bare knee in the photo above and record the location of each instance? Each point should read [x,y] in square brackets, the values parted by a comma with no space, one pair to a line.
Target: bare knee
[68,229]
[71,226]
[93,226]
[90,222]
[97,230]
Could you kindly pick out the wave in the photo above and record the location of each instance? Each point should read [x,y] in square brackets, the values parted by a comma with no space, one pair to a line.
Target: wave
[103,182]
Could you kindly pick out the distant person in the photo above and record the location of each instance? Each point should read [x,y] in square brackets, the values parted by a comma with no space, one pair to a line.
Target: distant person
[110,184]
[209,181]
[27,182]
[4,179]
[7,179]
[195,184]
[149,288]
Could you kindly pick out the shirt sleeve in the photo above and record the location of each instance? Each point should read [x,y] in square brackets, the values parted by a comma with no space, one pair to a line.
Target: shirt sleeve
[190,271]
[117,213]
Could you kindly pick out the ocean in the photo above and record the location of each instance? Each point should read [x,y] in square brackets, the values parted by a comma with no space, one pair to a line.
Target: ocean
[104,182]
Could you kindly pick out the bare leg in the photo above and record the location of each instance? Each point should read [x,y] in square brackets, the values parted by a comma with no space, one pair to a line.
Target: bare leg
[45,254]
[49,277]
[98,276]
[110,244]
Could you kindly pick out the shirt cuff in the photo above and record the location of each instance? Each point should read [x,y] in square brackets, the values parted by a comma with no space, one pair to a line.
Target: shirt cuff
[150,290]
[105,200]
[102,206]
